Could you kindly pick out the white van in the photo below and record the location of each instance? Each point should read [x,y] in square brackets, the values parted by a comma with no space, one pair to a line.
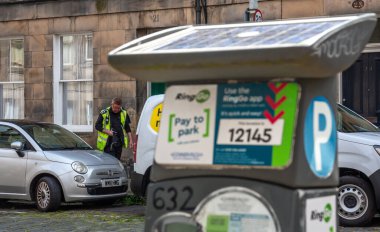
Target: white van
[359,168]
[147,129]
[358,161]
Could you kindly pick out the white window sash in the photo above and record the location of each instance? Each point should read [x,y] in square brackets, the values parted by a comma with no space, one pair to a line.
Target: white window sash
[78,80]
[87,47]
[58,88]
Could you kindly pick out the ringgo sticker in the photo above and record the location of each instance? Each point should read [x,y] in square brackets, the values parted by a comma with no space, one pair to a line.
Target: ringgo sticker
[255,124]
[229,124]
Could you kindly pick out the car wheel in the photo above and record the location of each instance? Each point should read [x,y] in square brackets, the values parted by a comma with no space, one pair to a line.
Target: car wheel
[48,194]
[356,202]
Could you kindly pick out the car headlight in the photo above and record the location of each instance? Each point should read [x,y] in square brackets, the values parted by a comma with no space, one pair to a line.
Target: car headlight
[79,167]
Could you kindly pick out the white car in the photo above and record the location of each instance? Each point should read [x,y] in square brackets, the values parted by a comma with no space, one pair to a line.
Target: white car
[48,164]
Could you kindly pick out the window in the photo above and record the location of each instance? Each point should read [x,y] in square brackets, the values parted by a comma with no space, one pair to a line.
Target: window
[9,135]
[54,137]
[73,82]
[11,78]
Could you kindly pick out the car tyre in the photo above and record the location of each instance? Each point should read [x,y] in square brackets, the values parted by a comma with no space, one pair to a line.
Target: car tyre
[356,201]
[145,183]
[48,194]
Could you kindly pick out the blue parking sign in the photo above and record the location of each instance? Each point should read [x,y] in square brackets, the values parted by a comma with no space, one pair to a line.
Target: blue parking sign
[320,137]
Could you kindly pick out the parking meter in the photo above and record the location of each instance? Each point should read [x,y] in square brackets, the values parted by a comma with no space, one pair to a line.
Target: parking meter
[248,138]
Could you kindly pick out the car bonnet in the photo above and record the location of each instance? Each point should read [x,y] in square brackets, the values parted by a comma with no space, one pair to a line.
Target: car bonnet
[367,138]
[87,157]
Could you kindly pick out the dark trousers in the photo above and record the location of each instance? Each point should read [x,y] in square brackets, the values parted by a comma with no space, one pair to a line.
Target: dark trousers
[115,151]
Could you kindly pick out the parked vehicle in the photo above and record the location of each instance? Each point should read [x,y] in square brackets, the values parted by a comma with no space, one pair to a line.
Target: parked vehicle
[147,129]
[359,165]
[48,164]
[358,160]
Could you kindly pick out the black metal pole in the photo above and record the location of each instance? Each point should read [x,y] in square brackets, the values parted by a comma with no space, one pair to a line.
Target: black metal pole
[204,5]
[197,11]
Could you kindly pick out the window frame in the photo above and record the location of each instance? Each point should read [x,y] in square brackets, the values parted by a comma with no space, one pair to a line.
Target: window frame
[58,84]
[12,82]
[87,47]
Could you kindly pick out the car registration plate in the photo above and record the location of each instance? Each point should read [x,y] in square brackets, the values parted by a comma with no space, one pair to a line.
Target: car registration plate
[111,182]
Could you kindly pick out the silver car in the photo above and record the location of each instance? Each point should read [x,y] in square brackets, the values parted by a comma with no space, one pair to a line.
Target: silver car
[48,164]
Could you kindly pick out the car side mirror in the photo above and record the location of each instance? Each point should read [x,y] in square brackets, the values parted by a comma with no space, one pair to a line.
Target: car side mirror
[18,146]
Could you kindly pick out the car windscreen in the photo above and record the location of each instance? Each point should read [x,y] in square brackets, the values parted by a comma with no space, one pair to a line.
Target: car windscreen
[54,137]
[348,121]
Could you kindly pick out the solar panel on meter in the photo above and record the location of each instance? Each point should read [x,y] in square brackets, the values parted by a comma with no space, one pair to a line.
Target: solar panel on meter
[292,48]
[249,36]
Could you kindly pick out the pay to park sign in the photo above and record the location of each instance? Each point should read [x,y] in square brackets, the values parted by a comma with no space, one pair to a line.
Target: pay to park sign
[228,124]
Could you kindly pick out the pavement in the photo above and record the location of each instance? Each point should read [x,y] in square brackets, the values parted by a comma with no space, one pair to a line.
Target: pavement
[23,216]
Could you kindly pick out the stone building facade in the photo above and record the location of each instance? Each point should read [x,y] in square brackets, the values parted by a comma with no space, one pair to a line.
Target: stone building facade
[54,55]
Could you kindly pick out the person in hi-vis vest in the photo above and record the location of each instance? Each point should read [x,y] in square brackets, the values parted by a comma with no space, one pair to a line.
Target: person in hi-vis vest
[113,129]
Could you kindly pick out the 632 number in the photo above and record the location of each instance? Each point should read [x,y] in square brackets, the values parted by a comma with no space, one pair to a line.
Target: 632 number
[160,202]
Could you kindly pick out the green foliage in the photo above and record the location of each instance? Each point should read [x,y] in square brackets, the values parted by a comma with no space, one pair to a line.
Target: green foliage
[133,200]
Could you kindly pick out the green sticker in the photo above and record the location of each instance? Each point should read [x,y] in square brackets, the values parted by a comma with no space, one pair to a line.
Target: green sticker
[217,223]
[282,154]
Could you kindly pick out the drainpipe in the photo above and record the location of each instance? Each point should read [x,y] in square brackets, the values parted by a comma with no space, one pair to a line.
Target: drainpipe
[204,5]
[199,4]
[197,11]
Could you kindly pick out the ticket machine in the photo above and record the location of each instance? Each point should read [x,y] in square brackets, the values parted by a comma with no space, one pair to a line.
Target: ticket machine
[248,138]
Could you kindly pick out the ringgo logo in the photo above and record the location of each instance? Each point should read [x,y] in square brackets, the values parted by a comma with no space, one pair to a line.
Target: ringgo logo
[200,97]
[327,213]
[322,216]
[203,96]
[184,96]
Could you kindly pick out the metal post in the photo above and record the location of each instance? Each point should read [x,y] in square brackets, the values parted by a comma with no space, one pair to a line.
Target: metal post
[253,4]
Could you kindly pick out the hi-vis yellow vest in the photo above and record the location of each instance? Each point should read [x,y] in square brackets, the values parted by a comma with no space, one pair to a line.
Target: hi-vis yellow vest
[103,137]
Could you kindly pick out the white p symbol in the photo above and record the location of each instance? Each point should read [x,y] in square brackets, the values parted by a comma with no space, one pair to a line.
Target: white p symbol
[321,136]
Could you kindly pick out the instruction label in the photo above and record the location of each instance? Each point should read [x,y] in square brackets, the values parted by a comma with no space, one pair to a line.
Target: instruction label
[186,133]
[229,124]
